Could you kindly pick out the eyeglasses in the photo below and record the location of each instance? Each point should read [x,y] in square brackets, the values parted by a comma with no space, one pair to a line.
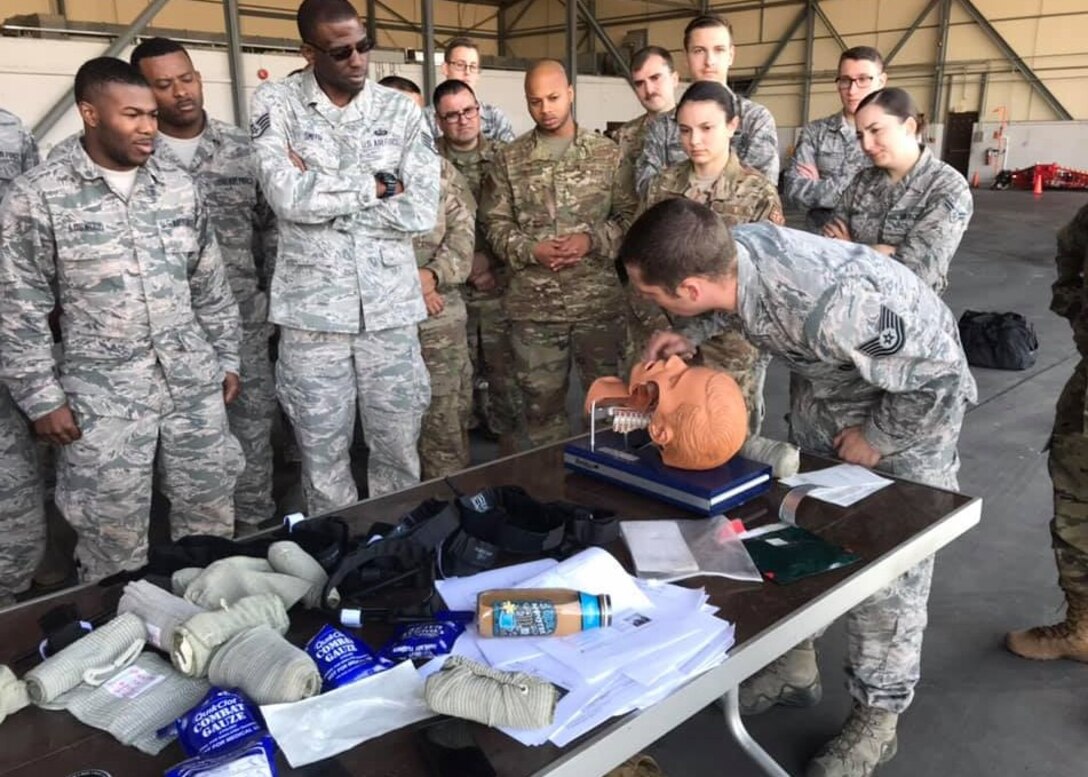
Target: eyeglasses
[341,53]
[465,114]
[862,82]
[464,67]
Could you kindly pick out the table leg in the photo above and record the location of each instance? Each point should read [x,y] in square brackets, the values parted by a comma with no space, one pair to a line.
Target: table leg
[731,707]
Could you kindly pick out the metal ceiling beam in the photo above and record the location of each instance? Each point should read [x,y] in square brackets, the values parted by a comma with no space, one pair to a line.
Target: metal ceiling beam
[126,36]
[609,46]
[779,47]
[572,44]
[427,12]
[513,23]
[830,27]
[810,40]
[1014,59]
[910,31]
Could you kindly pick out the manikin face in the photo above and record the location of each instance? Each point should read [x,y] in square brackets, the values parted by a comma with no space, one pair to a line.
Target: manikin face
[655,85]
[710,54]
[704,131]
[885,138]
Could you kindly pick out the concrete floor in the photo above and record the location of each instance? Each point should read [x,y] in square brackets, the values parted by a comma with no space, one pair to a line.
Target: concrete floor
[979,710]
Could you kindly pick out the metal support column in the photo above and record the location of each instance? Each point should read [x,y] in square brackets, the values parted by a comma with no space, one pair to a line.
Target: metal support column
[810,34]
[427,7]
[572,41]
[500,28]
[602,36]
[942,53]
[830,27]
[234,57]
[983,93]
[372,20]
[61,106]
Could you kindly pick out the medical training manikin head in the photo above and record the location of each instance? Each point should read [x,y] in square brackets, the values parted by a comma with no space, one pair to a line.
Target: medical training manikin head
[696,415]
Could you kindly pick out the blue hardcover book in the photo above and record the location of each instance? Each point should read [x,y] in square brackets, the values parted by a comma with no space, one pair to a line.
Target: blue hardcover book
[633,463]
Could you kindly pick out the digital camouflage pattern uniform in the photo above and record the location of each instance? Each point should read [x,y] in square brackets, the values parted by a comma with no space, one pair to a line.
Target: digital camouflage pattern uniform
[1068,457]
[831,144]
[346,291]
[488,326]
[494,124]
[924,215]
[529,197]
[447,252]
[22,516]
[149,327]
[869,344]
[755,143]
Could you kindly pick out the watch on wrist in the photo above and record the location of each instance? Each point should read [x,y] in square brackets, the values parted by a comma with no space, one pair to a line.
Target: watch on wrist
[389,181]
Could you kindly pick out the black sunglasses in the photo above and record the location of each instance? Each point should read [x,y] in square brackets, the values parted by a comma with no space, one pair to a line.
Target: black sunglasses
[340,53]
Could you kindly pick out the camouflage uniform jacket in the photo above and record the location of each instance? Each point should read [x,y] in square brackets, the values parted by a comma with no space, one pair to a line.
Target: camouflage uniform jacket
[1069,290]
[864,330]
[345,260]
[756,143]
[528,197]
[924,215]
[632,136]
[830,144]
[494,125]
[18,151]
[447,250]
[141,283]
[475,168]
[739,195]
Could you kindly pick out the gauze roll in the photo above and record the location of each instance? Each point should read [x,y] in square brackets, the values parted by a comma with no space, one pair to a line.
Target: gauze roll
[106,649]
[265,667]
[13,695]
[288,558]
[463,688]
[229,579]
[135,703]
[180,580]
[783,459]
[160,610]
[196,640]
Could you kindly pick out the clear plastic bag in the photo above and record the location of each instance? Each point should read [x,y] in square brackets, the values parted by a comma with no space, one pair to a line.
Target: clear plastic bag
[677,550]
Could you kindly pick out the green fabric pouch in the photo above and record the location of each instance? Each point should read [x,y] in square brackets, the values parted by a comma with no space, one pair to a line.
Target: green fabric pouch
[792,553]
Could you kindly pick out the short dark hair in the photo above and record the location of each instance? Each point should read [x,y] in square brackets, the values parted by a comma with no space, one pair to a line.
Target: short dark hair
[156,47]
[96,73]
[896,102]
[862,52]
[449,87]
[314,12]
[702,22]
[642,56]
[401,84]
[676,239]
[459,43]
[711,91]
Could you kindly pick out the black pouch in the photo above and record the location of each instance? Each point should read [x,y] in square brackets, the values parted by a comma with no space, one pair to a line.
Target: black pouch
[1000,341]
[793,553]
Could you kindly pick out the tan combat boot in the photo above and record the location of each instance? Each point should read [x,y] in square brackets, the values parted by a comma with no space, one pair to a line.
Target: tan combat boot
[792,680]
[1068,639]
[641,765]
[866,741]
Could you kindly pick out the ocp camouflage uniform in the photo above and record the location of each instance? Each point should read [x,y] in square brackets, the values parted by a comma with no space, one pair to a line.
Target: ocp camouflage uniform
[22,516]
[488,326]
[869,345]
[447,252]
[631,137]
[346,291]
[1068,457]
[830,144]
[494,124]
[924,215]
[755,143]
[529,197]
[739,195]
[149,327]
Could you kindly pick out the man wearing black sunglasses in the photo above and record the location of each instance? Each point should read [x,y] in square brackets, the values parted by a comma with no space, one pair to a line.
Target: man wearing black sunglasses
[351,171]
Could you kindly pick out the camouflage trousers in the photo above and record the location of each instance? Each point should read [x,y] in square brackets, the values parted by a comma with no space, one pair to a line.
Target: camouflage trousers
[542,361]
[321,377]
[250,417]
[884,633]
[1068,464]
[443,439]
[104,480]
[492,360]
[22,512]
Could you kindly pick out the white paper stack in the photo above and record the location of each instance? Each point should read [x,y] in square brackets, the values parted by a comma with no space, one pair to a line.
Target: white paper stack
[661,636]
[842,484]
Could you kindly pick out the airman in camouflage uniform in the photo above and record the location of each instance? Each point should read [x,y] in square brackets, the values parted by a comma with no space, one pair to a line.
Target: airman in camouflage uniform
[554,185]
[494,125]
[22,516]
[447,253]
[149,330]
[923,215]
[739,195]
[655,81]
[880,379]
[831,145]
[1068,463]
[346,291]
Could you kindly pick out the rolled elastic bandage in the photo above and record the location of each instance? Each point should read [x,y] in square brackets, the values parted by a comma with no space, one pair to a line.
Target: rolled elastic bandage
[466,689]
[196,640]
[266,667]
[288,558]
[783,459]
[229,579]
[13,695]
[160,610]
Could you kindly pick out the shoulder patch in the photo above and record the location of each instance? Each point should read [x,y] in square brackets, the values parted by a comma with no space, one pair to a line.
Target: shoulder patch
[889,340]
[260,125]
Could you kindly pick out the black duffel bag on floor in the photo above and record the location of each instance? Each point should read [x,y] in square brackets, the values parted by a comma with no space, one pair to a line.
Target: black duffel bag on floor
[1000,341]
